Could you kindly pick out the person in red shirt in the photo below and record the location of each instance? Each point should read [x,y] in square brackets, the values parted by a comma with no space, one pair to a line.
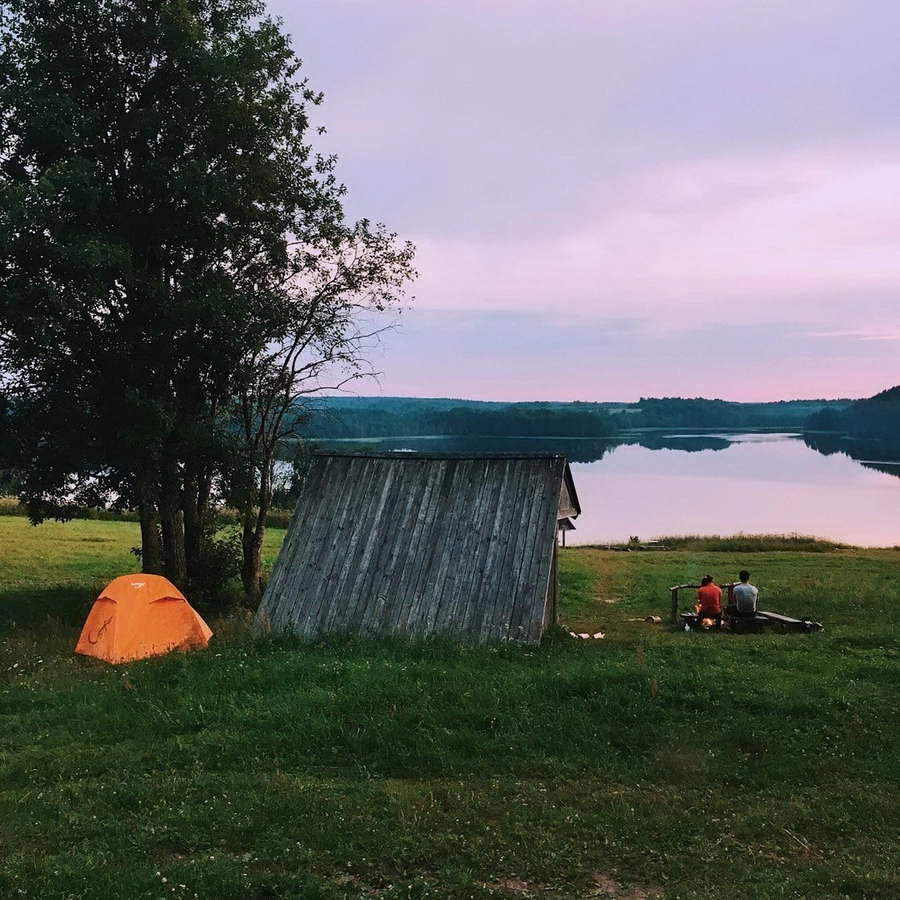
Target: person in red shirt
[709,600]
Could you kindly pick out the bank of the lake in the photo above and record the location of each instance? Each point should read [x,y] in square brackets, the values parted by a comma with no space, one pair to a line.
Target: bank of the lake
[345,770]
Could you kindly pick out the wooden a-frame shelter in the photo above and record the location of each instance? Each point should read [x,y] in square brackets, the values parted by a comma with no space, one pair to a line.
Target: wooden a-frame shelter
[416,544]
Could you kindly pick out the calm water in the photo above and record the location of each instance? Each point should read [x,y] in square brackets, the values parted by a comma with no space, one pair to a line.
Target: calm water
[770,483]
[722,483]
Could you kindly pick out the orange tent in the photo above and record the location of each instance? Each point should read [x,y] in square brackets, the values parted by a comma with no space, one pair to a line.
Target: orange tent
[137,616]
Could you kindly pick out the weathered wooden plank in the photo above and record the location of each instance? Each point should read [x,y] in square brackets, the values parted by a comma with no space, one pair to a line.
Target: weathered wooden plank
[423,486]
[352,496]
[468,597]
[417,546]
[309,575]
[523,601]
[336,504]
[401,548]
[441,596]
[382,527]
[371,540]
[543,543]
[446,533]
[451,527]
[788,621]
[367,496]
[347,504]
[404,567]
[459,549]
[426,548]
[496,520]
[510,543]
[531,597]
[477,551]
[382,589]
[511,481]
[310,587]
[469,549]
[526,600]
[531,592]
[516,552]
[397,519]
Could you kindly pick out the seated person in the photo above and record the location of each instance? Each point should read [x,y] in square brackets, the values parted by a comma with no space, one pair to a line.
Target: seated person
[744,597]
[709,600]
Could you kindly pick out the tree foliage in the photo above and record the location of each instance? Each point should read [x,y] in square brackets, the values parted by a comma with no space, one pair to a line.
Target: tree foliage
[175,263]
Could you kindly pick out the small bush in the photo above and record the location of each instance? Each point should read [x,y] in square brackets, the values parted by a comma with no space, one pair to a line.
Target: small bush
[10,506]
[217,590]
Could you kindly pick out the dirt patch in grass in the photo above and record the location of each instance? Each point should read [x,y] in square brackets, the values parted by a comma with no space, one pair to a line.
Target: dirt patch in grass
[604,885]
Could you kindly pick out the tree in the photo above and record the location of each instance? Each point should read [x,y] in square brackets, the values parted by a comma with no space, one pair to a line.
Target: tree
[317,338]
[164,223]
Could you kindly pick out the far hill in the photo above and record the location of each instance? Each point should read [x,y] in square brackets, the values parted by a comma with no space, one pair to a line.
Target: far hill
[349,417]
[872,425]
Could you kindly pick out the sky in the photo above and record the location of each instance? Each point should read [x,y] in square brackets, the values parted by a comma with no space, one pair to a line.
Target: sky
[622,198]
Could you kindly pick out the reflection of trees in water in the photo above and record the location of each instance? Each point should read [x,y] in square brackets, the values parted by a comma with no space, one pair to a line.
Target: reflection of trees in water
[687,443]
[864,452]
[579,450]
[575,450]
[588,450]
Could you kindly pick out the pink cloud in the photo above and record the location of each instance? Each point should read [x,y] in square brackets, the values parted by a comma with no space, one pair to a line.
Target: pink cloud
[680,163]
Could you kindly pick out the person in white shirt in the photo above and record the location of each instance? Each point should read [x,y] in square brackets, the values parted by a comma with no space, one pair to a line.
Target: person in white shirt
[744,596]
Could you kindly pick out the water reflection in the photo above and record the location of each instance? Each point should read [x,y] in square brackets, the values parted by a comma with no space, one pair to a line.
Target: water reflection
[574,449]
[879,455]
[581,450]
[688,443]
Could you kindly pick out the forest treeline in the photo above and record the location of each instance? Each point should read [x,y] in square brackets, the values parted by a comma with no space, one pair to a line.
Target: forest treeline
[340,417]
[873,424]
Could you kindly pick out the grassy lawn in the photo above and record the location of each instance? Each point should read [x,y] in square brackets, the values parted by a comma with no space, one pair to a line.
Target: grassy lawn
[651,763]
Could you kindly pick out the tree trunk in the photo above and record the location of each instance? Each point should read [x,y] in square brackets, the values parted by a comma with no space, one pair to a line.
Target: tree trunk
[151,545]
[252,539]
[172,520]
[251,566]
[195,505]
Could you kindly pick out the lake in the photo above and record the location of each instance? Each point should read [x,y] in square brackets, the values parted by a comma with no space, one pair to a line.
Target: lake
[670,482]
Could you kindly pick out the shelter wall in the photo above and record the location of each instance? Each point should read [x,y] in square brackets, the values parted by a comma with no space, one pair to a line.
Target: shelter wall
[456,546]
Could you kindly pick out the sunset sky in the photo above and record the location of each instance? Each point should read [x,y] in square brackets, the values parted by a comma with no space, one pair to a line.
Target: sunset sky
[624,198]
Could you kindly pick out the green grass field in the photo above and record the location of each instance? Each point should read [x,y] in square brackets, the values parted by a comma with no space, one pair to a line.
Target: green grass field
[650,763]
